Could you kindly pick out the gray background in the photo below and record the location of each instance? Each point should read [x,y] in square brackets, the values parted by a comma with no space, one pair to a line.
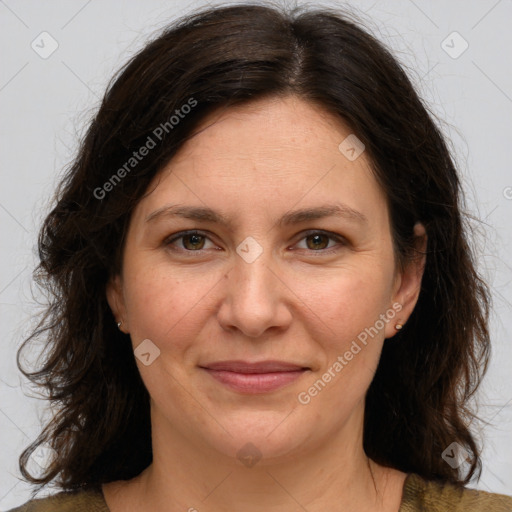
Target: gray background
[46,102]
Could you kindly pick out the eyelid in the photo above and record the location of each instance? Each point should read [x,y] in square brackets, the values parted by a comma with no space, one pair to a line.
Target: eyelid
[304,234]
[176,236]
[333,236]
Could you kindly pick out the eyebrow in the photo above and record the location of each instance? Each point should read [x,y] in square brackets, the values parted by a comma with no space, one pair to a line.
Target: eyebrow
[205,214]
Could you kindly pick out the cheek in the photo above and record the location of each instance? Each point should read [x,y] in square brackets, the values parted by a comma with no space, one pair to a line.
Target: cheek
[349,317]
[349,302]
[163,304]
[351,341]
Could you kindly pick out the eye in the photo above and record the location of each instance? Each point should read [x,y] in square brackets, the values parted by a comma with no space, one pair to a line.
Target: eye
[196,241]
[191,241]
[318,241]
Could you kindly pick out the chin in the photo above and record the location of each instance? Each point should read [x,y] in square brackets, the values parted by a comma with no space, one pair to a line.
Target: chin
[262,436]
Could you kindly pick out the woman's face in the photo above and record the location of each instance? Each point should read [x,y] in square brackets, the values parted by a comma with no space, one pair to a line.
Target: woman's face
[317,289]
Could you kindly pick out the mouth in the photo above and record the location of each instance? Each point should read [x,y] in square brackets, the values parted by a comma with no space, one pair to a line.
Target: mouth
[257,377]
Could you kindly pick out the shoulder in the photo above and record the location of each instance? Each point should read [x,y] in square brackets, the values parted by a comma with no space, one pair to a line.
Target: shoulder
[83,500]
[436,496]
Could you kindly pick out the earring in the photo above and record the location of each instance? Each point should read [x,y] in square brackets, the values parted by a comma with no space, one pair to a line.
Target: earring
[398,326]
[119,325]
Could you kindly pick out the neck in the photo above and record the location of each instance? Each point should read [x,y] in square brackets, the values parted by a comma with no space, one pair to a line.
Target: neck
[334,475]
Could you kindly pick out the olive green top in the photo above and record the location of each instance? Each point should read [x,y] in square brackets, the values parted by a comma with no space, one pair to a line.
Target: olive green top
[419,495]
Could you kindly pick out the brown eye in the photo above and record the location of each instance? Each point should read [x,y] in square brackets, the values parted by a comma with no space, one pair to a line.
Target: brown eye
[188,242]
[321,242]
[317,241]
[193,242]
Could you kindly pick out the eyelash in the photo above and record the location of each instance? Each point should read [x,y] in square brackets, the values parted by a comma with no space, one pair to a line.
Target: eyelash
[173,238]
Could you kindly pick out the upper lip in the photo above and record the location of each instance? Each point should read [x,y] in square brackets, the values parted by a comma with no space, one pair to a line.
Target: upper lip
[255,367]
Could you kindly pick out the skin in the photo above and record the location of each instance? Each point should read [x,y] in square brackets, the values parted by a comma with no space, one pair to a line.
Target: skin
[296,302]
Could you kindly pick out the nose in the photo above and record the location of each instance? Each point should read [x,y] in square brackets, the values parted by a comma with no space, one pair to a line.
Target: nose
[256,299]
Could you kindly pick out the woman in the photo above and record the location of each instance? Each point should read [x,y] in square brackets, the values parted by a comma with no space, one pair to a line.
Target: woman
[264,295]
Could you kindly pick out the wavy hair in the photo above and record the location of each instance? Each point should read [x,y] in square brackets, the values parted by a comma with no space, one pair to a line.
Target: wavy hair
[418,401]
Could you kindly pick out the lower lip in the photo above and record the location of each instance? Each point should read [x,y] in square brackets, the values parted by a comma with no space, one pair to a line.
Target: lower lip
[255,382]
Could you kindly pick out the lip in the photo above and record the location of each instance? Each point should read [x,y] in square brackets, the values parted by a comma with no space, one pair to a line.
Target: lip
[269,366]
[255,377]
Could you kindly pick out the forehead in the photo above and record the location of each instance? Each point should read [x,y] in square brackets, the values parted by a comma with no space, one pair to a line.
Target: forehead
[270,154]
[285,128]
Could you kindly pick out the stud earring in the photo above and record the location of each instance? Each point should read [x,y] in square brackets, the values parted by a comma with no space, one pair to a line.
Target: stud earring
[119,325]
[398,327]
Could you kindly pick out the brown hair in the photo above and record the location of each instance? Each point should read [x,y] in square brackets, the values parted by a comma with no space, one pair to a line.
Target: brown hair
[216,58]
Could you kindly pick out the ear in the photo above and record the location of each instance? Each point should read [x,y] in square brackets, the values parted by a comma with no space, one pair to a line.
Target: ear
[408,282]
[115,299]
